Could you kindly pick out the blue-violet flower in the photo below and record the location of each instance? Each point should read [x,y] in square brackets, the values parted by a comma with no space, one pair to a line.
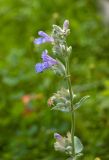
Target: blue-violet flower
[44,38]
[48,62]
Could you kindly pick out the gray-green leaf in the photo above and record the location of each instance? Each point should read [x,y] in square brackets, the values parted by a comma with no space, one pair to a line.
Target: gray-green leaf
[61,107]
[78,145]
[82,100]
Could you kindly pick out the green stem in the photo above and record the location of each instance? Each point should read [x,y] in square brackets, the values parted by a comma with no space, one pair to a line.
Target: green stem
[72,109]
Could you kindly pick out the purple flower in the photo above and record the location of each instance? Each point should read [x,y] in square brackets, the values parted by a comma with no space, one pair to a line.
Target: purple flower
[47,62]
[44,38]
[57,136]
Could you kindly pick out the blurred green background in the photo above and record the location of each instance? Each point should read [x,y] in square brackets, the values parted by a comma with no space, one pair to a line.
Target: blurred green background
[27,124]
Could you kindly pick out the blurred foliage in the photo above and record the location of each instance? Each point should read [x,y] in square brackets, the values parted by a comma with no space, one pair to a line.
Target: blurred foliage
[26,122]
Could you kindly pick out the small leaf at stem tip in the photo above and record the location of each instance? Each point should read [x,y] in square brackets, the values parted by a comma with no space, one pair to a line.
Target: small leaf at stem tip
[82,100]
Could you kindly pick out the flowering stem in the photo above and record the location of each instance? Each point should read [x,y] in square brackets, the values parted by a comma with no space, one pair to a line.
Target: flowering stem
[72,109]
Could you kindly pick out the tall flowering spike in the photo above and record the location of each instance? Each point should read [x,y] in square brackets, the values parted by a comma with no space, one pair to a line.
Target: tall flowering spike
[48,62]
[66,25]
[44,38]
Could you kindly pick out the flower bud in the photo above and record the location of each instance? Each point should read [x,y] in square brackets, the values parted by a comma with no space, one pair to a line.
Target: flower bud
[66,25]
[57,136]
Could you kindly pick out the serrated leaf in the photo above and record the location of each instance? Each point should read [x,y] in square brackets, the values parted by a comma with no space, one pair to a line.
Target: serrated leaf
[78,145]
[82,100]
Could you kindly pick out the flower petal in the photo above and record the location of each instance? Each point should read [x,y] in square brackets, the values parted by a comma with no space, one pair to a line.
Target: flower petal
[39,67]
[39,40]
[47,58]
[44,56]
[46,37]
[43,34]
[45,65]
